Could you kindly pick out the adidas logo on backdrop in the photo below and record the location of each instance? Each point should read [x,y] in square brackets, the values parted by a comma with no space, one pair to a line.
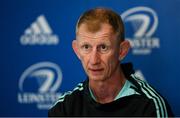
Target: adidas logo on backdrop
[39,33]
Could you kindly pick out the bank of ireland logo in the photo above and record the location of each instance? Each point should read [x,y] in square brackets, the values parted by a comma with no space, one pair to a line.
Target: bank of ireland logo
[143,22]
[39,84]
[39,33]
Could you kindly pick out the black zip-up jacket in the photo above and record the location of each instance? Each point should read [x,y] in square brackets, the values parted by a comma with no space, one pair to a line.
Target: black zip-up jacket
[147,102]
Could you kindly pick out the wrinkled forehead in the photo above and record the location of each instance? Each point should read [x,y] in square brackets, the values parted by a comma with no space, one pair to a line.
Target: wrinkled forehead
[105,31]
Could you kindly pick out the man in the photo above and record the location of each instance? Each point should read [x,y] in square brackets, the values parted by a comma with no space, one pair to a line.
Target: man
[111,88]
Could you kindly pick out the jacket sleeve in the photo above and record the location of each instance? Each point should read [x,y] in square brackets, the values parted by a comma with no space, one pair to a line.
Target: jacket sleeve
[169,111]
[57,110]
[152,111]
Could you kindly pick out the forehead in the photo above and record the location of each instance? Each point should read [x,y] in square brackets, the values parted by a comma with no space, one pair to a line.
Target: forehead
[105,32]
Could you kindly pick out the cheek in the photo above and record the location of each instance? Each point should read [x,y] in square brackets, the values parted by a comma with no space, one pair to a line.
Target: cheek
[111,62]
[84,60]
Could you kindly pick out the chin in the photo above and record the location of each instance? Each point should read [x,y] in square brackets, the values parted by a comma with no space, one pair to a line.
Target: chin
[96,78]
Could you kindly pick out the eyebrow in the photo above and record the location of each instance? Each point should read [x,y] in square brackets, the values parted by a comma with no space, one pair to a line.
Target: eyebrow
[94,37]
[107,42]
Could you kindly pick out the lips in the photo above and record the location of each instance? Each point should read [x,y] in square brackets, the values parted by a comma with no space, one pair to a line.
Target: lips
[96,71]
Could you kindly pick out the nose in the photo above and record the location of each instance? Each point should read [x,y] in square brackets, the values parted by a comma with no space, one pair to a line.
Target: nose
[94,57]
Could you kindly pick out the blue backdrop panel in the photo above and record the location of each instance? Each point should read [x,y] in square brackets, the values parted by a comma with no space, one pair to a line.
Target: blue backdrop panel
[38,63]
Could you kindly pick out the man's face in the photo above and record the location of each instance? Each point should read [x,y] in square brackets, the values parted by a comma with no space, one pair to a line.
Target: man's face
[98,51]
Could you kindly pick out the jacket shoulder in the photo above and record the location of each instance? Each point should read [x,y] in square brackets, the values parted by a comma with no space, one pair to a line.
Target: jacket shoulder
[160,103]
[63,105]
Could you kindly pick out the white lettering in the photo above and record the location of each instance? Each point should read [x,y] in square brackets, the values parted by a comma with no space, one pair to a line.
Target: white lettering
[37,97]
[39,39]
[144,43]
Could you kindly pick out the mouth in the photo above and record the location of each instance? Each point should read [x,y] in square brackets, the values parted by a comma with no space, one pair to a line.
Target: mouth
[96,71]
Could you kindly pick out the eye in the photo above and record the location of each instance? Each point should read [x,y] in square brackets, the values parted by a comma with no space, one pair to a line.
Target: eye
[85,48]
[103,48]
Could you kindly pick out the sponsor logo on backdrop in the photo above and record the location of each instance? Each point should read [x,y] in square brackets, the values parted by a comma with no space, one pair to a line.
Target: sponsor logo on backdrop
[39,33]
[143,22]
[39,84]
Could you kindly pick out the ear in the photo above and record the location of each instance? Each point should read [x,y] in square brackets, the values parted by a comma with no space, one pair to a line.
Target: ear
[75,48]
[124,48]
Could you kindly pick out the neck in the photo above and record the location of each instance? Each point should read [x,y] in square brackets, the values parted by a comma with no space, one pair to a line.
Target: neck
[105,91]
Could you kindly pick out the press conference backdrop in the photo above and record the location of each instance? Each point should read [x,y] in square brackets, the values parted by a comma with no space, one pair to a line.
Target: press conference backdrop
[38,63]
